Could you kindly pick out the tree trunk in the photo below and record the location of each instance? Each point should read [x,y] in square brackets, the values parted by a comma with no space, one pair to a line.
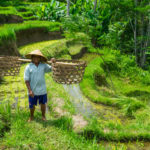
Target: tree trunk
[135,34]
[68,7]
[145,41]
[142,48]
[99,4]
[95,5]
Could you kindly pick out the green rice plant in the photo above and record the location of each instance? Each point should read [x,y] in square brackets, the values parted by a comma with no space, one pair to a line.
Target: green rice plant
[39,45]
[5,117]
[8,10]
[64,123]
[27,14]
[56,49]
[14,89]
[30,18]
[39,134]
[59,93]
[75,49]
[22,8]
[93,91]
[130,105]
[7,32]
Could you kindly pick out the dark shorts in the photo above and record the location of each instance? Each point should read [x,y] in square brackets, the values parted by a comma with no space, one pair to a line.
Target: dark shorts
[33,100]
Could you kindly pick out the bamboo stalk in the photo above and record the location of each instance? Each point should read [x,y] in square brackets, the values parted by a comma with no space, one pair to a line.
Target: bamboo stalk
[29,60]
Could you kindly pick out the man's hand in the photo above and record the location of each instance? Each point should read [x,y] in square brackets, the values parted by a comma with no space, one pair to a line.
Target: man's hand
[31,93]
[53,60]
[29,89]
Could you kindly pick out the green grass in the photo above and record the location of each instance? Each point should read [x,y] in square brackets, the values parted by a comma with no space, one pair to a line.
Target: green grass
[5,112]
[55,134]
[8,10]
[54,48]
[27,13]
[132,124]
[7,32]
[30,18]
[14,87]
[130,97]
[45,136]
[39,45]
[22,8]
[131,108]
[60,93]
[75,49]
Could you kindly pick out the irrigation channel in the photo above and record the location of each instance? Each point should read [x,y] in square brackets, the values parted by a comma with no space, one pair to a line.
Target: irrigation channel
[89,109]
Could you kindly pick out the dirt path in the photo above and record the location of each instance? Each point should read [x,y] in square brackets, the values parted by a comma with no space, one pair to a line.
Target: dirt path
[78,121]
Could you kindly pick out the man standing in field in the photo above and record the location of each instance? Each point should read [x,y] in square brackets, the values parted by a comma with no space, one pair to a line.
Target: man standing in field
[35,81]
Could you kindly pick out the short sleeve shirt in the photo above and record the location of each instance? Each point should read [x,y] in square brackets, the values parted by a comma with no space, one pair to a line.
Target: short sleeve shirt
[36,77]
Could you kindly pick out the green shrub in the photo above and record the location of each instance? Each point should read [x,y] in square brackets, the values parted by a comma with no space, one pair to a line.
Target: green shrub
[9,2]
[52,11]
[64,122]
[124,66]
[100,78]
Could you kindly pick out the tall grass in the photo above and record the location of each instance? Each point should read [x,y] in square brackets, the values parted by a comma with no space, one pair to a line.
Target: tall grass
[5,118]
[7,32]
[118,72]
[8,10]
[56,133]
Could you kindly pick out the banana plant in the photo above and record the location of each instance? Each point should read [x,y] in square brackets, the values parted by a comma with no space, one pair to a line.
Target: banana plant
[52,11]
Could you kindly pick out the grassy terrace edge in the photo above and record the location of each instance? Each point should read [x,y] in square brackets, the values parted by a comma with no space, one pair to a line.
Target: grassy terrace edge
[136,110]
[8,31]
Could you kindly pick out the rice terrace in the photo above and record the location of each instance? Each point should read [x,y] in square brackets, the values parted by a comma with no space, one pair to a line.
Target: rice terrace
[74,75]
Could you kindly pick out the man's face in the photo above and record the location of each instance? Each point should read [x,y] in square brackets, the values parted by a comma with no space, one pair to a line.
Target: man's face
[36,59]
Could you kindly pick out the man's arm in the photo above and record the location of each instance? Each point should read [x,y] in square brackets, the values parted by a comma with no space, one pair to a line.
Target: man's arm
[48,68]
[26,79]
[29,89]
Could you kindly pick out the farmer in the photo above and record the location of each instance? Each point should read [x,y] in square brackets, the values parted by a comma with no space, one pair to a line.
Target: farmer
[35,81]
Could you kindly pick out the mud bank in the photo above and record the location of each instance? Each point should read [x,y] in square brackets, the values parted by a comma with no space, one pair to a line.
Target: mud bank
[27,36]
[10,18]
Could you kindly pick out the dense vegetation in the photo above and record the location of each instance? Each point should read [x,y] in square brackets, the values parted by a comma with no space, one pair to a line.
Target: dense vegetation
[122,25]
[116,36]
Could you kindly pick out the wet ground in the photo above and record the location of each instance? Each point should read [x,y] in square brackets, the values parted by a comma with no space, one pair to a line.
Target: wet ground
[89,109]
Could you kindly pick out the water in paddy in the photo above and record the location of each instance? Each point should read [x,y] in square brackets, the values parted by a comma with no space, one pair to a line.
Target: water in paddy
[81,104]
[88,109]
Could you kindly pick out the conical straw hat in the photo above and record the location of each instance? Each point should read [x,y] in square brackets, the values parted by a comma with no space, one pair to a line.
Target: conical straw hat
[37,53]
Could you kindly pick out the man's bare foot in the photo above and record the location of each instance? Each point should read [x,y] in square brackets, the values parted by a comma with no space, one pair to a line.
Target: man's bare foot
[43,118]
[30,119]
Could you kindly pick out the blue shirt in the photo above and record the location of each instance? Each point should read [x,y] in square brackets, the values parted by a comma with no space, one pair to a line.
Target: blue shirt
[35,75]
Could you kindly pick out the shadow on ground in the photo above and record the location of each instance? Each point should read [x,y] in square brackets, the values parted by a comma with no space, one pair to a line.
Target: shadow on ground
[63,122]
[142,95]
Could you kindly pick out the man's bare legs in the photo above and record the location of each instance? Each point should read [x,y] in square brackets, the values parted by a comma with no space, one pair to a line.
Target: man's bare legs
[43,110]
[31,113]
